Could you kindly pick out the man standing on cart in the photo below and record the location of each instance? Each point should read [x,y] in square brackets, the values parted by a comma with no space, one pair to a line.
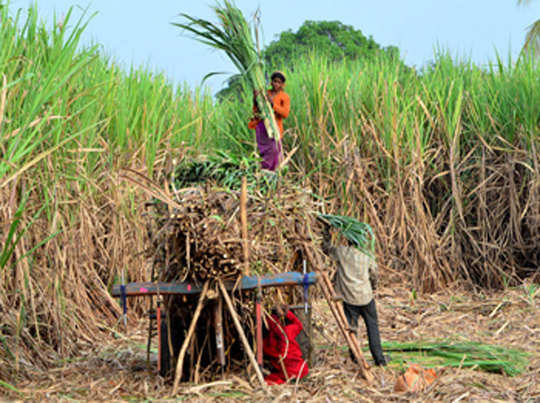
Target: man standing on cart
[356,278]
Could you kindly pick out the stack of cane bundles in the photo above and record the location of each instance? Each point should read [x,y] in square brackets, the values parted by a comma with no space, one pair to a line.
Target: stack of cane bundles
[201,238]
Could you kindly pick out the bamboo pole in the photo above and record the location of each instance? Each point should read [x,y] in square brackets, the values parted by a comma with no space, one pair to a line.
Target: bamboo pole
[158,320]
[242,335]
[180,362]
[218,324]
[243,218]
[258,319]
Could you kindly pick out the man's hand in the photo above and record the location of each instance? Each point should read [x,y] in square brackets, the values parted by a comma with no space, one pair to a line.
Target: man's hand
[327,238]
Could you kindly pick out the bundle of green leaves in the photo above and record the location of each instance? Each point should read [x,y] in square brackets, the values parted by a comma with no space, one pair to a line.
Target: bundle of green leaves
[359,233]
[460,354]
[223,170]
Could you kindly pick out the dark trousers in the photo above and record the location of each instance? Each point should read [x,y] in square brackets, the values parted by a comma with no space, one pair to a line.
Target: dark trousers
[369,314]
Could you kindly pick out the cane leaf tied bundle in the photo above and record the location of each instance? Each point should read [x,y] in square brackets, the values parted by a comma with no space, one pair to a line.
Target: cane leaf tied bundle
[359,233]
[233,35]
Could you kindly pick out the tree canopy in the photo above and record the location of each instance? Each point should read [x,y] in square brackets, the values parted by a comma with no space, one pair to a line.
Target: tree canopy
[333,39]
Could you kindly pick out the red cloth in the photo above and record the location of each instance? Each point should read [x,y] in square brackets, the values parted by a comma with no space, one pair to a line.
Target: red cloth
[275,347]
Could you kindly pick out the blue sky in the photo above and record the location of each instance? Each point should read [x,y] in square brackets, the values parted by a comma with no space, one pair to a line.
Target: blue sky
[139,31]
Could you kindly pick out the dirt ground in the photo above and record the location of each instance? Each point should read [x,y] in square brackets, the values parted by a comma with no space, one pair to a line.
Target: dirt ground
[116,369]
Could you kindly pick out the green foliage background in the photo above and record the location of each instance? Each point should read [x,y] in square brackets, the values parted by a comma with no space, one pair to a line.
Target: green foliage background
[333,39]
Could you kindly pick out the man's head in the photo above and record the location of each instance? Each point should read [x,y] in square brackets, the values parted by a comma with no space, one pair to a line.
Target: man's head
[278,80]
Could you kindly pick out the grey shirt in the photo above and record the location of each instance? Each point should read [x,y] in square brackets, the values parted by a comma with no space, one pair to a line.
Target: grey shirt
[356,276]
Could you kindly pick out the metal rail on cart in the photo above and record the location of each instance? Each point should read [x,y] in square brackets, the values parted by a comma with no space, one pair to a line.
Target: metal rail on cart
[186,288]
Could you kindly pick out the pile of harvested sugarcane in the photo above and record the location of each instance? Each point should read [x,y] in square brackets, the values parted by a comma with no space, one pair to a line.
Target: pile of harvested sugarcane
[200,236]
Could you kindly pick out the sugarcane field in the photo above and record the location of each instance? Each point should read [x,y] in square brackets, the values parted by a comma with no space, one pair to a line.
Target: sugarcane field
[328,227]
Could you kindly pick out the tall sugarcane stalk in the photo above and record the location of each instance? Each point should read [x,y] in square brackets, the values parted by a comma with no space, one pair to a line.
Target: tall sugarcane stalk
[233,36]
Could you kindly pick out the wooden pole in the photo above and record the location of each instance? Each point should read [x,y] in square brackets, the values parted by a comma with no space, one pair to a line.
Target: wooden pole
[218,325]
[258,321]
[180,362]
[242,335]
[243,218]
[158,314]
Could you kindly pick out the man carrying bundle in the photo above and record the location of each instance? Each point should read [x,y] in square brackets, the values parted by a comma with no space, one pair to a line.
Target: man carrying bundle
[356,278]
[269,148]
[282,349]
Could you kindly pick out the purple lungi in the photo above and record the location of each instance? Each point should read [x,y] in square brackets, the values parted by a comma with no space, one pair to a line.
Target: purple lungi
[269,149]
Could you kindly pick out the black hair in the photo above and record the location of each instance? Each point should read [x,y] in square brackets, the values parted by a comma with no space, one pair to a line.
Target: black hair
[278,74]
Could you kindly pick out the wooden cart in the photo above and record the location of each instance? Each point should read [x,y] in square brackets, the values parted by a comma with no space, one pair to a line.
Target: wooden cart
[173,338]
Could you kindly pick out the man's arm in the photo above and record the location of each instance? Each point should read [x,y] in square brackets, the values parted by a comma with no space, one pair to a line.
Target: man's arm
[327,247]
[373,273]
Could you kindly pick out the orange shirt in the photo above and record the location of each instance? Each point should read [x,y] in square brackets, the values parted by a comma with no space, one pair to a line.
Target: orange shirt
[282,107]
